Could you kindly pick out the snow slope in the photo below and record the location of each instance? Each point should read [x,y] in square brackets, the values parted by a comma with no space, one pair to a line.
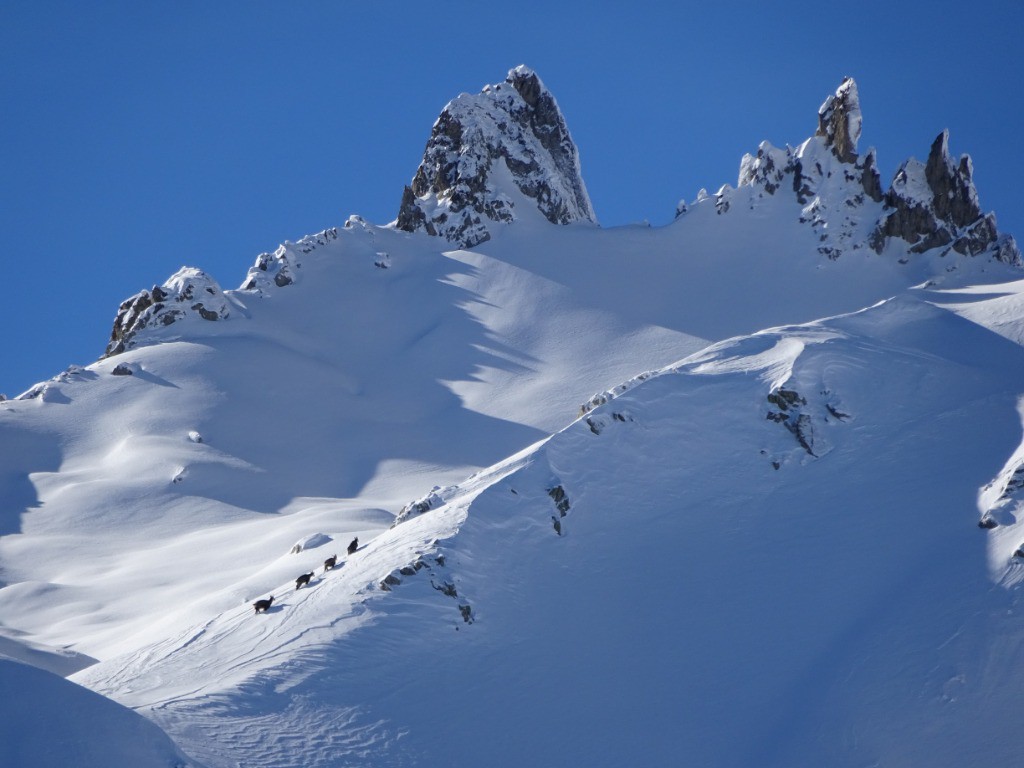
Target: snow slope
[698,604]
[765,554]
[47,722]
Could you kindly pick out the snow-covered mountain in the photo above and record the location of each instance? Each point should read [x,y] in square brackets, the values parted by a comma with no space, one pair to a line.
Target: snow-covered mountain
[741,490]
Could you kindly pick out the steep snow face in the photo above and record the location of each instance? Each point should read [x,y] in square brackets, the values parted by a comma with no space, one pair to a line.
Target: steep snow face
[487,153]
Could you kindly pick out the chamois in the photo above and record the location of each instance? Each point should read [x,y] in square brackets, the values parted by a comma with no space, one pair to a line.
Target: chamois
[330,562]
[263,605]
[354,545]
[303,579]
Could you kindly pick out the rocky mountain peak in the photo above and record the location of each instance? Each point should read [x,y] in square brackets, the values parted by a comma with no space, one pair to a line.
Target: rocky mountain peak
[931,206]
[489,151]
[935,205]
[839,121]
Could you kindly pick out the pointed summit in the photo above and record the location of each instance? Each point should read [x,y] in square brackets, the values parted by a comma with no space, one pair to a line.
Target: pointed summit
[839,121]
[488,153]
[935,205]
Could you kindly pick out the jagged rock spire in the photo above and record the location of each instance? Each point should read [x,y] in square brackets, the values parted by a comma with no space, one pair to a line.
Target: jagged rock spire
[932,205]
[488,151]
[935,205]
[839,121]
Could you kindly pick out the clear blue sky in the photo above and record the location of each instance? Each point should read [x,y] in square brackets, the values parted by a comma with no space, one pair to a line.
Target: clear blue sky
[138,137]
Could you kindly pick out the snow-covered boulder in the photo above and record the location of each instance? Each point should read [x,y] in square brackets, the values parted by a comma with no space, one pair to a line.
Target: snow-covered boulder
[485,153]
[188,293]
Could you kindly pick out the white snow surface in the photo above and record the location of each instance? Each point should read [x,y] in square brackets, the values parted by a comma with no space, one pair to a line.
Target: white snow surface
[48,722]
[678,576]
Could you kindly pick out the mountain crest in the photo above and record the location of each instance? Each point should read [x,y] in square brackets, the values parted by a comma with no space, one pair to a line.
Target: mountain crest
[930,206]
[487,152]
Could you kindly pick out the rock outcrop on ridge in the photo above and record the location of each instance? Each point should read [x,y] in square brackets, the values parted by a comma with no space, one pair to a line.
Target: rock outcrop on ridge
[931,206]
[935,205]
[488,151]
[188,292]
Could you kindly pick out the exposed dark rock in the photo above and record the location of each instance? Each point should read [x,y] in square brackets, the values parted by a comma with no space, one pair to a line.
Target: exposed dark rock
[954,198]
[839,121]
[164,305]
[935,205]
[389,581]
[122,370]
[460,186]
[445,588]
[870,179]
[836,413]
[786,399]
[987,523]
[931,206]
[803,430]
[431,501]
[791,415]
[560,498]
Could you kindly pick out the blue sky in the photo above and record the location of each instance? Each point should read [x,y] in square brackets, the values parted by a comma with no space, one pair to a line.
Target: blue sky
[141,137]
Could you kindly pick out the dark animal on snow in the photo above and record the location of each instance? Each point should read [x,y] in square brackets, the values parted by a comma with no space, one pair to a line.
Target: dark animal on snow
[330,562]
[263,605]
[354,545]
[303,579]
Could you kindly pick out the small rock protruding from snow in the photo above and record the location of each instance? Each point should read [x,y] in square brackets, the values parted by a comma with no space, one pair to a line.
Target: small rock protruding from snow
[431,500]
[488,150]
